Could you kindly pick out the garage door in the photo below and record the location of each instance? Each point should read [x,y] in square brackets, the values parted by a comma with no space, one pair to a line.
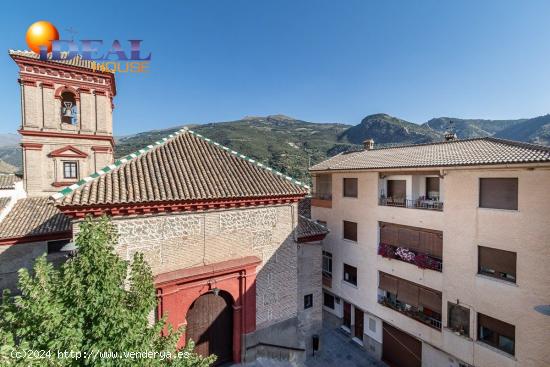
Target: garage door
[399,349]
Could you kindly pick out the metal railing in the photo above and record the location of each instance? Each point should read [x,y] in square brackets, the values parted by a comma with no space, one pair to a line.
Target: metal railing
[422,260]
[413,204]
[410,311]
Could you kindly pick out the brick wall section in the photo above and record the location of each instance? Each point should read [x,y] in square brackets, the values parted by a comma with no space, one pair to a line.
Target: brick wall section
[178,241]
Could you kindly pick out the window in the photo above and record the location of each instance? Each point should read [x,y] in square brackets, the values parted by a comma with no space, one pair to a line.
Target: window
[350,187]
[328,300]
[432,188]
[397,189]
[56,246]
[350,231]
[308,301]
[372,324]
[327,264]
[350,274]
[497,263]
[496,333]
[458,319]
[323,187]
[70,170]
[498,193]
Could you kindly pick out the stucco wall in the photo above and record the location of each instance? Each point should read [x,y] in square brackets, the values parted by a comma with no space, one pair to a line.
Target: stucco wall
[464,226]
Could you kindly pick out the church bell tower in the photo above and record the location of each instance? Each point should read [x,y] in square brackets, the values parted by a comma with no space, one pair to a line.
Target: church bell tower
[66,120]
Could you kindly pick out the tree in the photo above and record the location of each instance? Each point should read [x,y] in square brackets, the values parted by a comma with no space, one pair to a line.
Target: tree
[93,311]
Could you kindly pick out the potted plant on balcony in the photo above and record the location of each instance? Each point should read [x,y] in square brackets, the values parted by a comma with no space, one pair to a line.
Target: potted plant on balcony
[386,251]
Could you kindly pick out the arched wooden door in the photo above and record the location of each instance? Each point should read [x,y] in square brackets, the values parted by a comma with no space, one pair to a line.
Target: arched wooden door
[210,325]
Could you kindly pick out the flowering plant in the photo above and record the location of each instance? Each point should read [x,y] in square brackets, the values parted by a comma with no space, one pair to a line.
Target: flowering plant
[386,250]
[405,254]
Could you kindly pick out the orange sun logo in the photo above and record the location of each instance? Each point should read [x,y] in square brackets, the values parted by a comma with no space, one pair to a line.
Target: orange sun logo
[41,33]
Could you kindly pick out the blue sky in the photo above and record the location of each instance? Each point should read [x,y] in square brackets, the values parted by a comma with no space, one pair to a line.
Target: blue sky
[324,61]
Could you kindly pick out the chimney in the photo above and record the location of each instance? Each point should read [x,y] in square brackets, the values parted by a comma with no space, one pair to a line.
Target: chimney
[449,136]
[368,144]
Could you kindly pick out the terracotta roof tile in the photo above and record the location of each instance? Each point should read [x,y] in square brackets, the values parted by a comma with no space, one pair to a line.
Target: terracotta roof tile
[186,166]
[7,181]
[308,229]
[32,217]
[469,152]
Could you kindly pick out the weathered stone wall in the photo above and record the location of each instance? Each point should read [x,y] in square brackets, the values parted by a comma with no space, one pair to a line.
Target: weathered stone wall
[178,241]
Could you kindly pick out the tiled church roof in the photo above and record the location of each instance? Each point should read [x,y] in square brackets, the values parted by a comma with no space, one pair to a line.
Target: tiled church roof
[33,217]
[468,152]
[184,166]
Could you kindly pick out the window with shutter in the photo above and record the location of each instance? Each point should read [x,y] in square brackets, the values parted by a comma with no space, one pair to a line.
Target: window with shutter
[432,188]
[496,333]
[498,193]
[497,263]
[350,274]
[350,231]
[350,187]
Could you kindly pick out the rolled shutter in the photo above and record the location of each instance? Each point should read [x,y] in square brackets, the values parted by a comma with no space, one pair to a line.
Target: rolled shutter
[498,193]
[388,283]
[410,239]
[430,299]
[388,234]
[407,292]
[350,230]
[499,260]
[500,327]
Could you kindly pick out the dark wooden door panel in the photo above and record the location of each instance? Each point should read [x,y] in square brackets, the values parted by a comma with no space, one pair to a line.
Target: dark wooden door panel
[210,325]
[359,322]
[347,314]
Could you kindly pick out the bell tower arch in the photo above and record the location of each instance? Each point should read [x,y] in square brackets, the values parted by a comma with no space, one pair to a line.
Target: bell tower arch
[66,120]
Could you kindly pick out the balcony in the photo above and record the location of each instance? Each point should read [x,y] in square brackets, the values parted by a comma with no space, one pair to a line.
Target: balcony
[420,259]
[323,200]
[433,321]
[420,190]
[420,203]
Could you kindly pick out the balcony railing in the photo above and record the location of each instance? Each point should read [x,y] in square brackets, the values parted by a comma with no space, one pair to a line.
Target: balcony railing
[410,311]
[422,260]
[420,203]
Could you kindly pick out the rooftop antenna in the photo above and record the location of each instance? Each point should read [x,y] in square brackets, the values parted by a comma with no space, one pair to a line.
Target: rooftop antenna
[72,31]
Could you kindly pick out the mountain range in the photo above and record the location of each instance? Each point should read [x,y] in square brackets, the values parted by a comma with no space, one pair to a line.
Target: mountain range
[291,145]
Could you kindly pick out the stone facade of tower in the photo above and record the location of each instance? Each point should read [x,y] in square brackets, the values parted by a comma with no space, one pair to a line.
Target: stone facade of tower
[66,121]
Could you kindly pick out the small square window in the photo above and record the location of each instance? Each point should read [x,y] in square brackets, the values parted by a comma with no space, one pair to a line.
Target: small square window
[350,274]
[350,231]
[70,170]
[350,187]
[308,301]
[328,300]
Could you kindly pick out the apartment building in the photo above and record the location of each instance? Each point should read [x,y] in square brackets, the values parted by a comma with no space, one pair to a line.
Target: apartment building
[437,253]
